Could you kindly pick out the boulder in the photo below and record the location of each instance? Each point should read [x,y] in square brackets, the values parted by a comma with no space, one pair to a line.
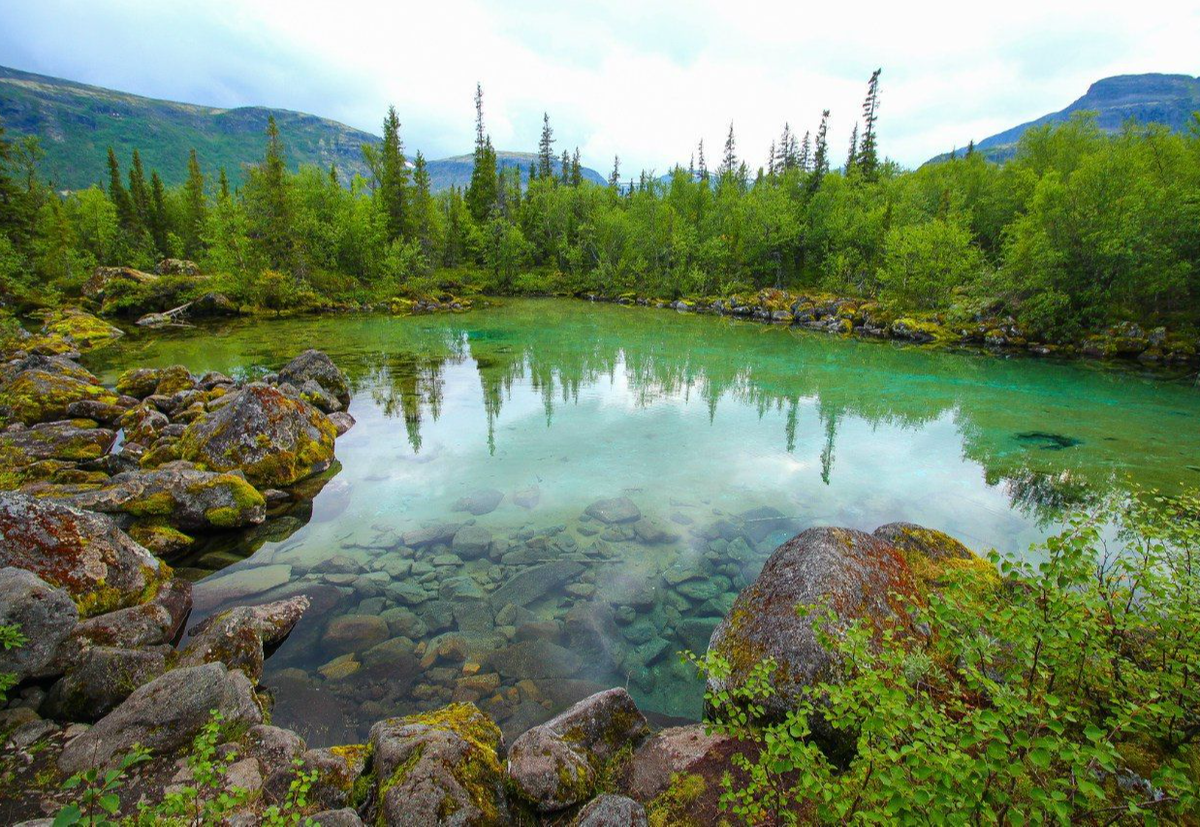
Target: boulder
[342,421]
[274,440]
[471,542]
[241,637]
[345,817]
[556,764]
[318,397]
[355,632]
[37,395]
[185,498]
[43,614]
[138,382]
[173,267]
[164,715]
[272,745]
[58,365]
[612,811]
[68,441]
[80,551]
[337,769]
[83,330]
[317,366]
[102,678]
[614,510]
[858,576]
[242,582]
[102,277]
[439,768]
[210,305]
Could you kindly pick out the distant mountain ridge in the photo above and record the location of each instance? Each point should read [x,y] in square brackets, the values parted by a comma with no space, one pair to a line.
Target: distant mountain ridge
[77,123]
[1170,100]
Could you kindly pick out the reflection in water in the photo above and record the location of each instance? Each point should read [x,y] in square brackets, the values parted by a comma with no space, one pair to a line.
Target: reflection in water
[546,498]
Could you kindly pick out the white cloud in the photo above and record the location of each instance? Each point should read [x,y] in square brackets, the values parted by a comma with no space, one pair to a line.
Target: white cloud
[639,79]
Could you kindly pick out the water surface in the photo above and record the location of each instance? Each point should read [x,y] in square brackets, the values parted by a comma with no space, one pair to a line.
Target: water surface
[727,436]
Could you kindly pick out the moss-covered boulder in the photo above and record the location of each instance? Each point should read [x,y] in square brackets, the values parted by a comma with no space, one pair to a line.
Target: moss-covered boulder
[38,395]
[37,453]
[45,615]
[99,565]
[857,576]
[103,277]
[184,498]
[439,768]
[934,556]
[101,678]
[83,330]
[556,765]
[274,440]
[139,382]
[50,364]
[313,365]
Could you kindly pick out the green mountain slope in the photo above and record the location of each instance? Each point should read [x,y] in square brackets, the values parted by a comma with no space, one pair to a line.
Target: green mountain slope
[1152,98]
[77,123]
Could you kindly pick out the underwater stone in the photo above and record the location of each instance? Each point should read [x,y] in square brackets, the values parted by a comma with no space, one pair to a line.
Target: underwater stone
[471,542]
[614,510]
[532,583]
[478,503]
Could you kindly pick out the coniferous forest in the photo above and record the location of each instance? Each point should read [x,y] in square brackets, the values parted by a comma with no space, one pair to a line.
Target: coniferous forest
[1078,231]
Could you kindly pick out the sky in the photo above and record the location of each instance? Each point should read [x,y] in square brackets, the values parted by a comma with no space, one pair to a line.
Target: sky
[645,80]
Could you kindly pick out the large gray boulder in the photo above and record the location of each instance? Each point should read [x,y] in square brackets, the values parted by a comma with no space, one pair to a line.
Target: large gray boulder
[43,614]
[274,440]
[65,441]
[164,715]
[38,395]
[313,365]
[185,498]
[857,576]
[439,768]
[240,637]
[157,621]
[85,553]
[556,764]
[612,811]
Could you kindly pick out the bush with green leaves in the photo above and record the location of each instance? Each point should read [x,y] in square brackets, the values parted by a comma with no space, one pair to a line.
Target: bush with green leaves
[11,637]
[1068,692]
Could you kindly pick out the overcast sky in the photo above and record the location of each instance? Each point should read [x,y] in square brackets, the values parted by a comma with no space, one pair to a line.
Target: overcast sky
[643,79]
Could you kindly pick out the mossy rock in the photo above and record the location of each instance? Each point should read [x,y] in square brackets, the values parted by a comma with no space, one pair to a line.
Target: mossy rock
[36,395]
[83,330]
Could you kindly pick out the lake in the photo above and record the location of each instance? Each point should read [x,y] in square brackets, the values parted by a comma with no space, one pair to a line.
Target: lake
[547,497]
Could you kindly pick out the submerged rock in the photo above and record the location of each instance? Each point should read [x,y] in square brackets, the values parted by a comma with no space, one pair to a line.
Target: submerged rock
[274,440]
[858,576]
[556,764]
[85,553]
[164,715]
[478,503]
[532,583]
[614,510]
[439,768]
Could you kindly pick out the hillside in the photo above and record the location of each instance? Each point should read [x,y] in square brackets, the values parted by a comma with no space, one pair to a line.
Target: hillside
[1152,98]
[456,170]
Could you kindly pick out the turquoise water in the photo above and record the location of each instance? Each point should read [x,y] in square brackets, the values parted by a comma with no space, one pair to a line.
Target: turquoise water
[726,436]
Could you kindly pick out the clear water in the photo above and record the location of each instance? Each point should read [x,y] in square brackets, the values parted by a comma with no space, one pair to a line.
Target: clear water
[697,420]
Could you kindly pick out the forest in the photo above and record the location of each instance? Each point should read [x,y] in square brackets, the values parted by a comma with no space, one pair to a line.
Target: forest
[1079,230]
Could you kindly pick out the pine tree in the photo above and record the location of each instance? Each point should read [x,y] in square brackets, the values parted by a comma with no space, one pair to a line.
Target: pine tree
[546,148]
[576,169]
[729,159]
[820,164]
[785,153]
[157,219]
[868,154]
[194,208]
[482,191]
[268,204]
[970,147]
[805,157]
[703,167]
[614,177]
[564,168]
[532,172]
[852,155]
[223,185]
[333,175]
[423,204]
[770,162]
[393,179]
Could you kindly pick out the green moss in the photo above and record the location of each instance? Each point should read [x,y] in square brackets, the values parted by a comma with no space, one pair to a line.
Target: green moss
[159,537]
[673,807]
[158,504]
[83,330]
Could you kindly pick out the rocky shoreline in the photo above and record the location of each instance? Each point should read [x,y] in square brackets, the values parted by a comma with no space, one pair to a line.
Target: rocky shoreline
[863,317]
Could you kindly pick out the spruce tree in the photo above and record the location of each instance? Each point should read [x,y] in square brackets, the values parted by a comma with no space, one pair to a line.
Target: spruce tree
[14,212]
[614,177]
[333,175]
[576,169]
[805,157]
[139,195]
[770,162]
[393,179]
[194,208]
[157,220]
[223,185]
[852,155]
[482,191]
[423,204]
[729,159]
[546,149]
[702,166]
[268,204]
[532,172]
[970,147]
[564,168]
[868,154]
[119,195]
[820,163]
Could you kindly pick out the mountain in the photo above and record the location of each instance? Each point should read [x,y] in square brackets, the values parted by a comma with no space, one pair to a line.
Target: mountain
[456,170]
[1151,98]
[77,123]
